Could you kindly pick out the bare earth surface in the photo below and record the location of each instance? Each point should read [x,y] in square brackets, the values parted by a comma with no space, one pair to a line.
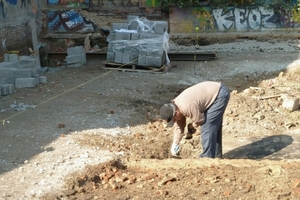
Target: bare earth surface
[92,133]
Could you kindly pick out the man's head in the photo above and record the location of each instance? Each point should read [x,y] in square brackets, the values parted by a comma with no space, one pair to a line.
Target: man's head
[168,112]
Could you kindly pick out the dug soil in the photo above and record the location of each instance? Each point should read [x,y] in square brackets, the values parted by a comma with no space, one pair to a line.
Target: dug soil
[95,133]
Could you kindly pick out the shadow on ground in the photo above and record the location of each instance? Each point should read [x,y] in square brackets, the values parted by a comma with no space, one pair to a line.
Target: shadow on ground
[260,149]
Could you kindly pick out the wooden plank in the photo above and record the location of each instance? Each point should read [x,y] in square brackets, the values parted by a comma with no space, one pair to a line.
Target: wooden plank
[135,68]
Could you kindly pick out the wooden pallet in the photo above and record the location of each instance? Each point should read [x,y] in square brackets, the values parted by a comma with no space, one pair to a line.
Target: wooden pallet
[135,68]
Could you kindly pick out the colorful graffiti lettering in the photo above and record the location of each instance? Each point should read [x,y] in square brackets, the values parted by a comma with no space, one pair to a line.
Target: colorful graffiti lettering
[234,19]
[13,2]
[67,21]
[69,3]
[285,18]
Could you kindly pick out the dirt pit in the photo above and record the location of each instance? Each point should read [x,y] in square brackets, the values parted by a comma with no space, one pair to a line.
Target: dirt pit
[91,133]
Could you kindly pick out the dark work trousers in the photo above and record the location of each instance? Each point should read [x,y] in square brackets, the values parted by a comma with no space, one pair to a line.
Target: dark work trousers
[211,130]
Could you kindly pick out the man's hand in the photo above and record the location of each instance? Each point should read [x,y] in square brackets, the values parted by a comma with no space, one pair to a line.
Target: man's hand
[175,149]
[191,129]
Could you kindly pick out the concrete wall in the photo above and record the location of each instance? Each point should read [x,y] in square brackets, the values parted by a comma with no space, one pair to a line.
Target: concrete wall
[15,16]
[65,17]
[233,19]
[61,19]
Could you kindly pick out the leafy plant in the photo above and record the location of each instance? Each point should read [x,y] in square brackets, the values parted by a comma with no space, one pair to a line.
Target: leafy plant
[226,3]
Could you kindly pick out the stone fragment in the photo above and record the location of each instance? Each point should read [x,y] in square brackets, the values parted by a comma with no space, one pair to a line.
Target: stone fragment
[290,102]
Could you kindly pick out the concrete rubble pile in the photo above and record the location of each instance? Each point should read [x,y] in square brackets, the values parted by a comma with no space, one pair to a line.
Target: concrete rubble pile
[19,72]
[138,42]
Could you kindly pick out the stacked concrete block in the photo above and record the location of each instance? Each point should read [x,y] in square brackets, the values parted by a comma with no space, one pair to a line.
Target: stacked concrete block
[42,79]
[139,41]
[18,72]
[76,56]
[11,57]
[7,89]
[25,82]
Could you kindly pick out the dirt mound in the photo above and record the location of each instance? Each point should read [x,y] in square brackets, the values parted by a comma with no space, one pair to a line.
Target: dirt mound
[188,179]
[96,134]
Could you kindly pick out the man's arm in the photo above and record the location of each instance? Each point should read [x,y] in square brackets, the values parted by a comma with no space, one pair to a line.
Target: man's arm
[179,130]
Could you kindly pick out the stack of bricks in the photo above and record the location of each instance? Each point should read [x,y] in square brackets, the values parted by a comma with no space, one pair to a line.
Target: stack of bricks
[76,56]
[19,72]
[138,42]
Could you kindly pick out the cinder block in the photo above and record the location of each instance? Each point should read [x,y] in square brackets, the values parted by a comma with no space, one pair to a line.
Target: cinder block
[154,61]
[118,46]
[7,89]
[118,57]
[42,79]
[6,57]
[79,58]
[134,58]
[73,59]
[29,58]
[75,50]
[154,35]
[111,37]
[110,56]
[133,25]
[8,64]
[132,17]
[160,27]
[142,59]
[127,49]
[144,36]
[34,71]
[75,65]
[7,73]
[11,57]
[4,90]
[27,63]
[122,35]
[119,26]
[24,82]
[126,58]
[126,36]
[83,58]
[11,88]
[135,36]
[119,36]
[22,73]
[156,52]
[36,80]
[3,80]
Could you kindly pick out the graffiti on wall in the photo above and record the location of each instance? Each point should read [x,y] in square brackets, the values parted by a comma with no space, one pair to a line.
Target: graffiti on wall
[69,3]
[11,8]
[68,21]
[13,2]
[245,19]
[235,19]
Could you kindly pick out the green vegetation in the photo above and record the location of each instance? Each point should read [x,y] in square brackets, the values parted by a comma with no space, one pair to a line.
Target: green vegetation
[228,3]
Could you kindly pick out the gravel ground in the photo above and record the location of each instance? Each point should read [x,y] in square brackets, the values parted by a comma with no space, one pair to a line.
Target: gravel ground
[90,133]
